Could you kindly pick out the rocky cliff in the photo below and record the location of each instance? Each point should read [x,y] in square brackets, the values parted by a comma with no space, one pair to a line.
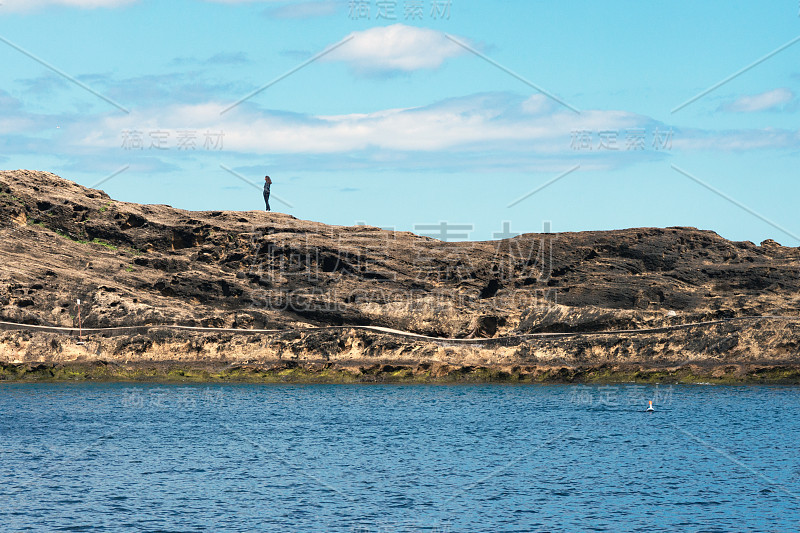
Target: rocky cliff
[477,304]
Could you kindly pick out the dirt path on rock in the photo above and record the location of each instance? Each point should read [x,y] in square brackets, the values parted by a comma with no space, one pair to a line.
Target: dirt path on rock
[127,330]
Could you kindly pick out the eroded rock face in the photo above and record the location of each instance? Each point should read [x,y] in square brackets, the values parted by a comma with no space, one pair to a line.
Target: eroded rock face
[153,264]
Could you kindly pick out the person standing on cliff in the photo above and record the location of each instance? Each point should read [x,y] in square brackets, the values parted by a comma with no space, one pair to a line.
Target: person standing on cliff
[267,183]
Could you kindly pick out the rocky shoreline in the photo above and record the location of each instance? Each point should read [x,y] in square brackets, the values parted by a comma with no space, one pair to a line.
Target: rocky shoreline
[688,354]
[375,373]
[266,297]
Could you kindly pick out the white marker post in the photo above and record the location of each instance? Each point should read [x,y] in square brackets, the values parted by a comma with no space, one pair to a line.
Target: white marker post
[80,328]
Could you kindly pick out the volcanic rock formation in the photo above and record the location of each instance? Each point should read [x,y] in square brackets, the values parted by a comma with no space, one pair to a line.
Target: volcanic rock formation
[140,265]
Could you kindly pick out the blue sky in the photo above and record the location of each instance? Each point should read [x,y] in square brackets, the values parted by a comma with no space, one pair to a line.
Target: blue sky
[466,112]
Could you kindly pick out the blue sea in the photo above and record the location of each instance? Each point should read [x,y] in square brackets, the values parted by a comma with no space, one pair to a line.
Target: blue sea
[397,458]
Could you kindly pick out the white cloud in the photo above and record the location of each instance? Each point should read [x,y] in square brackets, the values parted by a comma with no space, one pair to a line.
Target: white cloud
[538,103]
[760,102]
[474,133]
[738,140]
[477,133]
[395,48]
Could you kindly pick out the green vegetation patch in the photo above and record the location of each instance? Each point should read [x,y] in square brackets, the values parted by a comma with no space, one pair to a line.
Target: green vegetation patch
[96,240]
[13,198]
[102,243]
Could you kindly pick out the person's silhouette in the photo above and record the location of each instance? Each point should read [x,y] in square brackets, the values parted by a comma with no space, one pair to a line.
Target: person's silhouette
[267,183]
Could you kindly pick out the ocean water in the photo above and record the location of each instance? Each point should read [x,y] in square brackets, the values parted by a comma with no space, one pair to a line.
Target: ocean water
[375,458]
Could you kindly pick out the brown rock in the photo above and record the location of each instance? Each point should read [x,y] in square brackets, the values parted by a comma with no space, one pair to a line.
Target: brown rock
[136,265]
